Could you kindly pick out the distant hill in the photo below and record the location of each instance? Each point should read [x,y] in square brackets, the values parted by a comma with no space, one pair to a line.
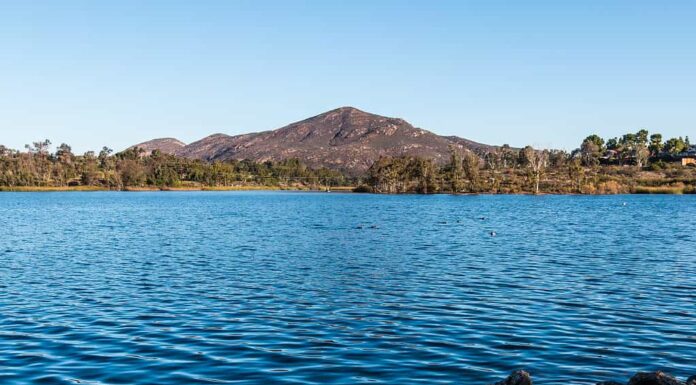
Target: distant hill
[346,139]
[165,145]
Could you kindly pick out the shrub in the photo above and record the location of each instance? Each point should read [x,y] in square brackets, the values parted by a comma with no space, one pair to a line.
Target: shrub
[610,187]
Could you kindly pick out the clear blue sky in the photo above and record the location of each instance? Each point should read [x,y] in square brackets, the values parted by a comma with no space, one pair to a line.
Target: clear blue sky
[547,73]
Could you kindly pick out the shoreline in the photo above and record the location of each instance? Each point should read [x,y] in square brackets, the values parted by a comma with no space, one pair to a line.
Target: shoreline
[34,189]
[340,189]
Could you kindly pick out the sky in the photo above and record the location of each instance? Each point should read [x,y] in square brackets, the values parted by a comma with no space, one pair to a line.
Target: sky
[545,73]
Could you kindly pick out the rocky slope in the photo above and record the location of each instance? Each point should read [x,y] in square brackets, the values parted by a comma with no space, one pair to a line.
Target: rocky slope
[345,138]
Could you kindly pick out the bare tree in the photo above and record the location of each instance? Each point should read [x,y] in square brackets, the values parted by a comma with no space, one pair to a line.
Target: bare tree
[39,148]
[536,161]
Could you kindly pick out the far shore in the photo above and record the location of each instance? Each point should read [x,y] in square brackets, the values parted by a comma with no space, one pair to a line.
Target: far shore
[153,189]
[343,189]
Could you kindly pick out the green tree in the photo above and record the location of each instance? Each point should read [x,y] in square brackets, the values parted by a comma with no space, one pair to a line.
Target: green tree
[507,155]
[64,154]
[39,159]
[89,169]
[132,173]
[591,150]
[675,145]
[471,164]
[641,153]
[656,145]
[423,172]
[455,172]
[576,174]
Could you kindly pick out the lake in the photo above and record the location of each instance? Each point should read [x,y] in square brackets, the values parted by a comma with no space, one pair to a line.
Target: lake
[324,288]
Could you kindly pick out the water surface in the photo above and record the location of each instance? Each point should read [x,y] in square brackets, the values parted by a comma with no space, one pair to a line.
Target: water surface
[313,288]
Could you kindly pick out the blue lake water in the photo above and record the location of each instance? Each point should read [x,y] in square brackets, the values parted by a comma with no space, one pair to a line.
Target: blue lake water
[286,288]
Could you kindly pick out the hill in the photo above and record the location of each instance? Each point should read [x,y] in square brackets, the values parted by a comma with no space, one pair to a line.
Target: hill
[165,145]
[344,139]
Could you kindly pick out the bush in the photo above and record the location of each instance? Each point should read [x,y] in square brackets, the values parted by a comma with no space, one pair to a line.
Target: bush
[657,166]
[610,187]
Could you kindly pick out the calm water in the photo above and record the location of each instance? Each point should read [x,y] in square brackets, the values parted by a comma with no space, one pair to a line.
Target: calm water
[284,288]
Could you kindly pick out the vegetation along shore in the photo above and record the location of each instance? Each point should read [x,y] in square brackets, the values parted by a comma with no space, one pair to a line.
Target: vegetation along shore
[634,163]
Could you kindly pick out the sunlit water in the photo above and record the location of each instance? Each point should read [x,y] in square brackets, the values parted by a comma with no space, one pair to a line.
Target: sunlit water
[287,288]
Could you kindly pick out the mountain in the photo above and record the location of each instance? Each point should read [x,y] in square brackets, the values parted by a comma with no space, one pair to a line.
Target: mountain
[165,145]
[346,138]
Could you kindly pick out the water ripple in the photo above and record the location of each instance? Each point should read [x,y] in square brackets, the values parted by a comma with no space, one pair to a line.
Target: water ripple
[295,288]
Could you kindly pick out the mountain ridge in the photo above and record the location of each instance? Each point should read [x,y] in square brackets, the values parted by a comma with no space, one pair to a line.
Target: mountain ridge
[344,138]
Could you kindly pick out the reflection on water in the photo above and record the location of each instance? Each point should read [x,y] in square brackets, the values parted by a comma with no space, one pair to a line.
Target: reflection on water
[259,288]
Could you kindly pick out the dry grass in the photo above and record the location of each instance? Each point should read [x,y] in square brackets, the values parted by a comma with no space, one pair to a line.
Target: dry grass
[245,188]
[678,188]
[50,189]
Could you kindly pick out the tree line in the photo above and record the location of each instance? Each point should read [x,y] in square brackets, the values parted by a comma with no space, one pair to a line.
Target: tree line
[638,148]
[620,164]
[38,166]
[597,166]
